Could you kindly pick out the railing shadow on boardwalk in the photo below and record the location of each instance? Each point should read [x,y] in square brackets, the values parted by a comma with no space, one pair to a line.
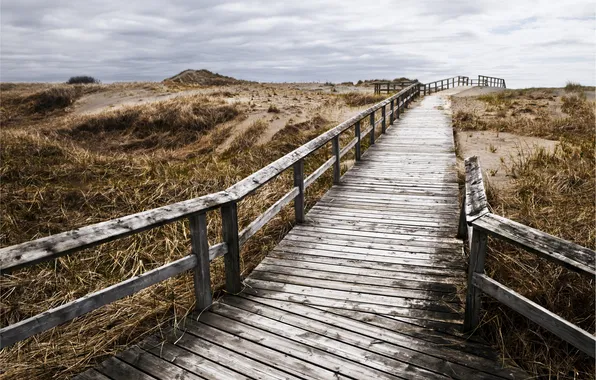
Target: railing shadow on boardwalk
[379,116]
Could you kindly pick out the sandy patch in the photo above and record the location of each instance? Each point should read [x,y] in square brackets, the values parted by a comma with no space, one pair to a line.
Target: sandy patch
[497,150]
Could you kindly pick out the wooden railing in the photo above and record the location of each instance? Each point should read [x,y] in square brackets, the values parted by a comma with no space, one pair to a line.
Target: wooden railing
[51,247]
[477,223]
[389,87]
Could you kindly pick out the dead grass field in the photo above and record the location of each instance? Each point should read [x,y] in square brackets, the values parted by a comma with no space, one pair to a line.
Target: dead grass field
[66,166]
[549,189]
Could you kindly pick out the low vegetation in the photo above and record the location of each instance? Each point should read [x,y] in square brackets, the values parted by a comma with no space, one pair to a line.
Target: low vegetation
[70,171]
[83,79]
[358,99]
[553,192]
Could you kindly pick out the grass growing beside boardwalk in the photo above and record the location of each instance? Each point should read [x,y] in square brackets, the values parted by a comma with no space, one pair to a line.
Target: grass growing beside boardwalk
[74,171]
[553,192]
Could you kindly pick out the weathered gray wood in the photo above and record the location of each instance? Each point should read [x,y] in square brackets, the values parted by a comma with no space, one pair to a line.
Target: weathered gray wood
[578,337]
[300,185]
[476,266]
[476,202]
[357,153]
[319,172]
[64,313]
[383,118]
[201,272]
[67,242]
[570,255]
[336,164]
[348,146]
[217,250]
[462,229]
[266,216]
[91,374]
[229,216]
[372,128]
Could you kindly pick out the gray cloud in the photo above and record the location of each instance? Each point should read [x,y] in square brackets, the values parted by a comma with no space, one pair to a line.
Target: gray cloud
[305,40]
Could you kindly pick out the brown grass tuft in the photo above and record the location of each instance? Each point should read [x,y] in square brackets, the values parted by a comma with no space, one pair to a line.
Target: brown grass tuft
[357,99]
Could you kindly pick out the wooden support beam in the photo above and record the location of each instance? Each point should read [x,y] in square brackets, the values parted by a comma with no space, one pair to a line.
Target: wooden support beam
[567,331]
[299,183]
[336,164]
[229,216]
[384,116]
[357,132]
[200,248]
[372,125]
[476,265]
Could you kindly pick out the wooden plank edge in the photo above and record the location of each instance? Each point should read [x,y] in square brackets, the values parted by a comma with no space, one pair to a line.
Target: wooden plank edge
[565,330]
[63,313]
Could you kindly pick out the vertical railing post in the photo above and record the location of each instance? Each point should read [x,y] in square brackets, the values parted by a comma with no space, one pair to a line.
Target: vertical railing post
[462,229]
[336,167]
[299,183]
[372,131]
[384,116]
[357,132]
[477,257]
[200,248]
[391,111]
[229,216]
[398,105]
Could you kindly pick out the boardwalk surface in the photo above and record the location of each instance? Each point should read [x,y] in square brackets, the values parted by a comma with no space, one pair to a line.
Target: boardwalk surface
[366,289]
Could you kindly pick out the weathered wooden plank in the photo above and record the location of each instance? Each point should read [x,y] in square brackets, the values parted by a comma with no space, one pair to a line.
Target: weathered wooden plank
[300,185]
[331,364]
[202,363]
[317,173]
[476,203]
[336,164]
[155,366]
[116,369]
[567,331]
[478,246]
[61,314]
[266,216]
[348,146]
[229,216]
[570,255]
[91,374]
[201,272]
[67,242]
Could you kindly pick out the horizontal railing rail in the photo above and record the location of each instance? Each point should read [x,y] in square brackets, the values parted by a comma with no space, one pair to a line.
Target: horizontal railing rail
[477,223]
[51,247]
[380,87]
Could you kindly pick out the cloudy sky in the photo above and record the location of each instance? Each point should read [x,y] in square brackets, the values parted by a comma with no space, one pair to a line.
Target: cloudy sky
[529,43]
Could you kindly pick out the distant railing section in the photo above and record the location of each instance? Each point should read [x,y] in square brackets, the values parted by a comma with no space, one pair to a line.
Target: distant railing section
[389,87]
[51,247]
[476,223]
[445,84]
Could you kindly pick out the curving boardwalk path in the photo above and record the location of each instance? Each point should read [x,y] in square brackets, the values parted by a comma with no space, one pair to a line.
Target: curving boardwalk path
[365,289]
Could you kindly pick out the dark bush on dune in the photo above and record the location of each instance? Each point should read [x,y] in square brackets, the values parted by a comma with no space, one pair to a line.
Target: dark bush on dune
[82,79]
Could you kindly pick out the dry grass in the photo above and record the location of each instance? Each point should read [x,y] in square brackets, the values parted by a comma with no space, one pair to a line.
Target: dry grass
[357,99]
[553,192]
[167,124]
[74,171]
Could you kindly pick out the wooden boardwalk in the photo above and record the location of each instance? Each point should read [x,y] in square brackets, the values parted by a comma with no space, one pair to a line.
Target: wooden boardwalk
[365,289]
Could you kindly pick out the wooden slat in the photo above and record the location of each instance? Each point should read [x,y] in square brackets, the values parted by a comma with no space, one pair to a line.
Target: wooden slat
[58,315]
[265,217]
[570,255]
[476,203]
[349,146]
[317,173]
[60,244]
[579,338]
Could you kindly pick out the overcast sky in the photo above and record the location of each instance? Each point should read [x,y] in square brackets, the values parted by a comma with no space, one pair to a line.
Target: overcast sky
[529,43]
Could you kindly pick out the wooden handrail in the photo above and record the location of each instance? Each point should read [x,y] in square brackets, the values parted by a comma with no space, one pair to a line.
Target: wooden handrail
[476,222]
[51,247]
